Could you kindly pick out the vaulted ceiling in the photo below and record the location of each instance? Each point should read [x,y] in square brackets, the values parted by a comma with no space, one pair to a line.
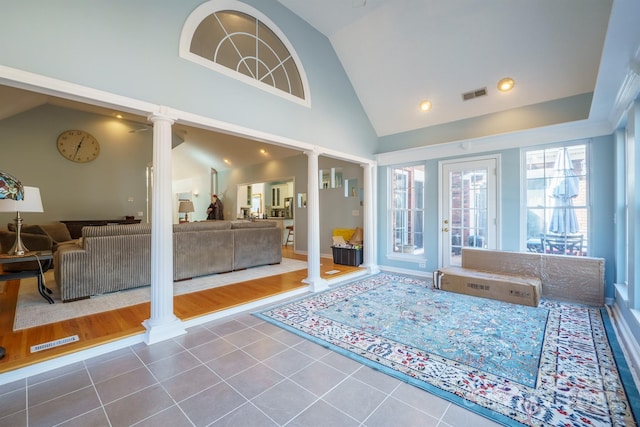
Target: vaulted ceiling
[398,53]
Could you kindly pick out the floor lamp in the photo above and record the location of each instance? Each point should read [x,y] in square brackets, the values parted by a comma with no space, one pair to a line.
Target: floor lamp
[30,202]
[10,189]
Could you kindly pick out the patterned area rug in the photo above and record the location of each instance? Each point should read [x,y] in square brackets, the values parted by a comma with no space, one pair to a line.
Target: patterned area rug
[32,310]
[557,364]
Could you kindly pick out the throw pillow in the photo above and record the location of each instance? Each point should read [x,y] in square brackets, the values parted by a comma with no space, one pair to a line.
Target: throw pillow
[58,231]
[29,229]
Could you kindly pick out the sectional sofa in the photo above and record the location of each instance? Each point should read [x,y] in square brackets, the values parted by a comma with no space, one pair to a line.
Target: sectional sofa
[35,237]
[117,257]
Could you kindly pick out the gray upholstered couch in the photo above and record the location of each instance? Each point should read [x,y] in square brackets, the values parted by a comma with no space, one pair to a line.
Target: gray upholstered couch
[116,257]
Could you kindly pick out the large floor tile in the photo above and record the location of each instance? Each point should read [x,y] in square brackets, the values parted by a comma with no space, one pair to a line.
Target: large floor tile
[212,404]
[138,406]
[355,398]
[318,378]
[323,414]
[255,380]
[284,401]
[191,382]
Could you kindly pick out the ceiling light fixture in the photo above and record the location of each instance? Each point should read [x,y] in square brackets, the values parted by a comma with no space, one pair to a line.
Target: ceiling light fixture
[506,84]
[425,105]
[263,151]
[227,161]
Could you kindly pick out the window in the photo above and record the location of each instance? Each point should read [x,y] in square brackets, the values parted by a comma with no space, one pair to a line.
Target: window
[237,40]
[407,209]
[557,200]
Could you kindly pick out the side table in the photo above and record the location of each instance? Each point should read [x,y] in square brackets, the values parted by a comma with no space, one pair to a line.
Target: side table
[45,258]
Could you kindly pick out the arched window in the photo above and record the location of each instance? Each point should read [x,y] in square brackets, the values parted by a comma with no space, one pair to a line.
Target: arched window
[237,40]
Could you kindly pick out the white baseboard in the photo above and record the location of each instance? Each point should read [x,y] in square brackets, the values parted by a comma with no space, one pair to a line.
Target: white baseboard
[425,274]
[69,359]
[628,342]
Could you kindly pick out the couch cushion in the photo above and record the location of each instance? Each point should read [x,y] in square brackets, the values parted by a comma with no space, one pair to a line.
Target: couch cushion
[57,231]
[32,241]
[253,247]
[252,224]
[202,225]
[115,230]
[26,228]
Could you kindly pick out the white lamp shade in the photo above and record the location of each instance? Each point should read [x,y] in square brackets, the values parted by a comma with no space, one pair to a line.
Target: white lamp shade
[30,203]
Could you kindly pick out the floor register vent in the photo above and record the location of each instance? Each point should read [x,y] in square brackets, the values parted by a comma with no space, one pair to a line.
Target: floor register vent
[474,94]
[56,343]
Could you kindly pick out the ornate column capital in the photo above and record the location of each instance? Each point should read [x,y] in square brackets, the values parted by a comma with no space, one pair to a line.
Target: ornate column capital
[162,116]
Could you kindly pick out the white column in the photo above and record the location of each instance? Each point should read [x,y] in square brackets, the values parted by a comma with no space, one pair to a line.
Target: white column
[163,324]
[314,280]
[369,220]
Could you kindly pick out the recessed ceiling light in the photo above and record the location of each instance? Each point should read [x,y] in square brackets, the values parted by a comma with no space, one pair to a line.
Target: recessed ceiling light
[227,161]
[263,151]
[425,105]
[506,84]
[118,116]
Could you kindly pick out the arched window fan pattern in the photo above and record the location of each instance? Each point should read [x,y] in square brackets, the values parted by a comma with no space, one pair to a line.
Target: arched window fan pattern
[246,45]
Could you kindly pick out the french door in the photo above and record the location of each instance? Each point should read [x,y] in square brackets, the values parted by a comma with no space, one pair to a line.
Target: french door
[468,207]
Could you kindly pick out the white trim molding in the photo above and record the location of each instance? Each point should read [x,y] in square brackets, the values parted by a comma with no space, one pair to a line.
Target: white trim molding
[628,342]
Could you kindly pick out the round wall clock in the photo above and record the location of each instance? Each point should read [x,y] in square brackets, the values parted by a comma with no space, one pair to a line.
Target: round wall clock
[78,146]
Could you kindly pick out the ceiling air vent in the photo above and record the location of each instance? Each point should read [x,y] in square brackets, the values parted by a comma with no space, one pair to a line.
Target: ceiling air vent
[474,94]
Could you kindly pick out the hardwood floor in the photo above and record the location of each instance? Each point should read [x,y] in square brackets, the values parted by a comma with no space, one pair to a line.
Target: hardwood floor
[108,326]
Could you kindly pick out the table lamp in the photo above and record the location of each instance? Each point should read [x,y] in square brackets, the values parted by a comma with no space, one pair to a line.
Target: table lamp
[30,202]
[10,187]
[185,207]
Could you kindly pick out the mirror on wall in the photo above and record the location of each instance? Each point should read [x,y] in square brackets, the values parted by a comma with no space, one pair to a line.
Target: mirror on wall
[330,178]
[302,200]
[351,188]
[324,178]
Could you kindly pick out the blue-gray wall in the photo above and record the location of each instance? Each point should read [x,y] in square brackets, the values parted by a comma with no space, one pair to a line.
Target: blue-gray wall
[130,48]
[601,233]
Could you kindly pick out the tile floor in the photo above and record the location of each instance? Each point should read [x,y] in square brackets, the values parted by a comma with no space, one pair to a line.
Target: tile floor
[240,371]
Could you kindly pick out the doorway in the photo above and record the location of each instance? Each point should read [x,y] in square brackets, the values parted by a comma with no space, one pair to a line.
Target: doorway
[468,213]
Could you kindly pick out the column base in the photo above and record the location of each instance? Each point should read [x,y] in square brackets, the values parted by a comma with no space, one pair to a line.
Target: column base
[162,331]
[316,284]
[372,268]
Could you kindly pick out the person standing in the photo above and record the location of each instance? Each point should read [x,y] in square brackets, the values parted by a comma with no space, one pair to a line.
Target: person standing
[214,211]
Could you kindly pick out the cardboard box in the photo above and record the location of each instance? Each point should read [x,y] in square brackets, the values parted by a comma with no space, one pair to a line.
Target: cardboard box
[508,288]
[577,279]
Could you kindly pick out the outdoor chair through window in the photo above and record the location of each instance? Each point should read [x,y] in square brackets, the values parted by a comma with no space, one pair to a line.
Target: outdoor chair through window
[562,244]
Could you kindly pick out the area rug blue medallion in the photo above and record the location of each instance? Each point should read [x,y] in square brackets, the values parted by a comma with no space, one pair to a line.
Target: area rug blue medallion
[557,364]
